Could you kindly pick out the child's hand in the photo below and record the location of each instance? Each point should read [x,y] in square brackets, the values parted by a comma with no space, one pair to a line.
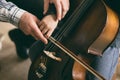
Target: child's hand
[29,25]
[47,25]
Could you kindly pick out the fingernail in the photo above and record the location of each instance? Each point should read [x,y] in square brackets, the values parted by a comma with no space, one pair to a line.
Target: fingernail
[59,18]
[44,12]
[63,17]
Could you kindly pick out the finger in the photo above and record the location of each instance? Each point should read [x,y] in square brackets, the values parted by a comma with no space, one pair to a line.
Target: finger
[65,9]
[44,31]
[37,33]
[63,14]
[42,27]
[59,10]
[34,36]
[51,1]
[46,6]
[49,33]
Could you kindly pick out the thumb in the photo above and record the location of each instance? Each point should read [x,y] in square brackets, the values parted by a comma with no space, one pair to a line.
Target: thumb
[46,6]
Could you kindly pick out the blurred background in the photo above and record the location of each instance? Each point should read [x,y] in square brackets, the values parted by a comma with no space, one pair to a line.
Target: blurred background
[13,68]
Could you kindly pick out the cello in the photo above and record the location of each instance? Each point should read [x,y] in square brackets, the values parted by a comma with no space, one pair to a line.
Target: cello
[85,29]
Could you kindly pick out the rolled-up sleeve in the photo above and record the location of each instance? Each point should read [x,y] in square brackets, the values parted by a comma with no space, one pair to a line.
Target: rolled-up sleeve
[9,12]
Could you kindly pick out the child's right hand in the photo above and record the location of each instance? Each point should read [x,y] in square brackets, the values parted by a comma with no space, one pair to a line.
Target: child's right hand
[47,25]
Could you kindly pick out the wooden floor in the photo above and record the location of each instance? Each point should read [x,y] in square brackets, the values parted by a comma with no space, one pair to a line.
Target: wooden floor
[11,67]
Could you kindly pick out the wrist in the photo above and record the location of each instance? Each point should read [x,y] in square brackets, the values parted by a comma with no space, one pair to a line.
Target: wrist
[15,15]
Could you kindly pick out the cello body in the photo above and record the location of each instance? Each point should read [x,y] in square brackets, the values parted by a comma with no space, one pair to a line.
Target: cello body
[89,34]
